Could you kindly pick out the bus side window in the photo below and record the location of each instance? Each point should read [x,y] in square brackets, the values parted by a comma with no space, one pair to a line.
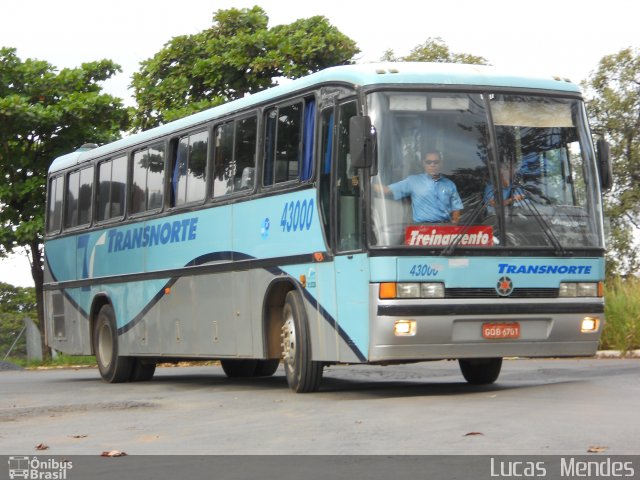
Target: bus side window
[326,139]
[78,198]
[148,179]
[71,200]
[223,164]
[283,144]
[54,209]
[348,185]
[112,177]
[190,168]
[245,153]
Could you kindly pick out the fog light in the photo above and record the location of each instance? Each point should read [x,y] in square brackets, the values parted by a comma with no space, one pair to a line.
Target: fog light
[589,324]
[404,328]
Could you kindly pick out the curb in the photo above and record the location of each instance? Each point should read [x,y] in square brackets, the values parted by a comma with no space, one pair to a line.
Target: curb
[617,354]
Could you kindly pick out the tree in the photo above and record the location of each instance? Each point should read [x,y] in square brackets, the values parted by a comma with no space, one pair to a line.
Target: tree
[238,55]
[613,101]
[434,49]
[43,114]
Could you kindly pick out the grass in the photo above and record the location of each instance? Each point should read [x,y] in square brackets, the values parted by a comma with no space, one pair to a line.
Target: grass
[61,360]
[622,315]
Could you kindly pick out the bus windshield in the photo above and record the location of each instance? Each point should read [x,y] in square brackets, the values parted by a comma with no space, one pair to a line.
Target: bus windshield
[478,170]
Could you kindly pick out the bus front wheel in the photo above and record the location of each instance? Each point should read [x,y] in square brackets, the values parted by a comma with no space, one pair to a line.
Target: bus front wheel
[113,368]
[480,371]
[303,374]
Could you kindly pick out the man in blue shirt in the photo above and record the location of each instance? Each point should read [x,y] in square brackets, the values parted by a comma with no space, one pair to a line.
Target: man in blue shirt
[434,198]
[511,195]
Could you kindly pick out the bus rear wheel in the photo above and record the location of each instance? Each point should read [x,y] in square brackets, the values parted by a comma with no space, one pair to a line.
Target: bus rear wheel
[266,368]
[238,368]
[142,370]
[303,374]
[113,368]
[480,371]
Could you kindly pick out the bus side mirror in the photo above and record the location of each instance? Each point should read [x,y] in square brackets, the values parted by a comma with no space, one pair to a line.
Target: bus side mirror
[604,164]
[360,142]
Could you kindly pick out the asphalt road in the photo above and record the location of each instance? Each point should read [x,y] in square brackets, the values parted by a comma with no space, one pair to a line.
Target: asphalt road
[537,407]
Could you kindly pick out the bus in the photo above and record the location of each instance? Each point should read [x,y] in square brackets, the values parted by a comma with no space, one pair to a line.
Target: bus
[254,233]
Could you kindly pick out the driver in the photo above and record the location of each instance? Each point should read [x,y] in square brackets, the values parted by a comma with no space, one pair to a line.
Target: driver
[434,198]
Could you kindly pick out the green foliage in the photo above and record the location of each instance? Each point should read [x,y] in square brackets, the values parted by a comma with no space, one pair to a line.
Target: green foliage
[613,92]
[622,314]
[238,55]
[434,49]
[43,114]
[15,304]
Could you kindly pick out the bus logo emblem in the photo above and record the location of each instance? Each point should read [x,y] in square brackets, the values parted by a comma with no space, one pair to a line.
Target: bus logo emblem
[504,287]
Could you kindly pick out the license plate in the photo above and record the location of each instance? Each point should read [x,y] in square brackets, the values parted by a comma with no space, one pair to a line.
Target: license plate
[501,330]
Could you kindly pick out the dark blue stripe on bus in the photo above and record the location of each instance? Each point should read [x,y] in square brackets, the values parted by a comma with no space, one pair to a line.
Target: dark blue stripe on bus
[205,261]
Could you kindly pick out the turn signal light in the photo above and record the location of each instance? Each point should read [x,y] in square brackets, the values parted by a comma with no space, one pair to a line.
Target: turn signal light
[388,290]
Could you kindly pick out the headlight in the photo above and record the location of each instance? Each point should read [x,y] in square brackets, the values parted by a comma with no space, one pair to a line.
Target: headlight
[391,290]
[408,290]
[580,289]
[432,290]
[587,290]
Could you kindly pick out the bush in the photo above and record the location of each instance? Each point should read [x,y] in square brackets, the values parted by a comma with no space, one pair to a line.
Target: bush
[10,327]
[622,315]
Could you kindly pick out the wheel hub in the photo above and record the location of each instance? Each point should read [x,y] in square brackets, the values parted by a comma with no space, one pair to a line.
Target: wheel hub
[289,341]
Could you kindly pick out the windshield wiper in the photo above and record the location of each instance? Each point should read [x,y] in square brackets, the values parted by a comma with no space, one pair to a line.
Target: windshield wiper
[465,227]
[528,203]
[544,225]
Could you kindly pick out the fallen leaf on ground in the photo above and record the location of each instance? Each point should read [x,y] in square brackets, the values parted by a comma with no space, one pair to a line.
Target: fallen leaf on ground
[597,449]
[113,453]
[42,446]
[471,434]
[82,435]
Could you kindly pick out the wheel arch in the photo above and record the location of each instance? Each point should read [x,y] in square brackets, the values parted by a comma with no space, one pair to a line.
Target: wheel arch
[272,306]
[99,301]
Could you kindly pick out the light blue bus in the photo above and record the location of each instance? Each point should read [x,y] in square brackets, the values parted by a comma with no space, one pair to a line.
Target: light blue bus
[255,232]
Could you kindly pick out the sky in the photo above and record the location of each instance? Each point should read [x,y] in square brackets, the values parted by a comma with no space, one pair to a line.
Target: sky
[565,38]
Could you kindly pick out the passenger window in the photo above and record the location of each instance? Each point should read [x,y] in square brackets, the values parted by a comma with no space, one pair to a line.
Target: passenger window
[189,175]
[235,156]
[71,200]
[223,167]
[283,146]
[54,209]
[78,198]
[148,179]
[112,178]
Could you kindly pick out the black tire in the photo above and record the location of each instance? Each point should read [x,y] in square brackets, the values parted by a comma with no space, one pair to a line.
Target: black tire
[266,368]
[239,368]
[142,370]
[113,368]
[303,374]
[480,371]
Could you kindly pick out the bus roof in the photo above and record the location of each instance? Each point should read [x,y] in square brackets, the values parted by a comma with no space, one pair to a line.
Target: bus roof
[368,74]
